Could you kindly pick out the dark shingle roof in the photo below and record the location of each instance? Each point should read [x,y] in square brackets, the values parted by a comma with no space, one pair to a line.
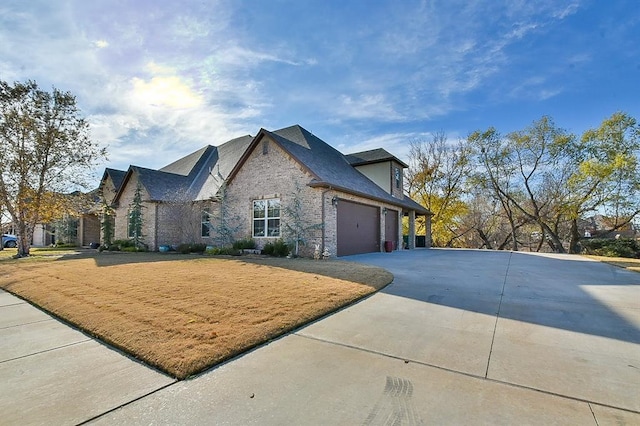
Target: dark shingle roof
[218,168]
[163,186]
[117,176]
[186,165]
[371,157]
[330,167]
[196,176]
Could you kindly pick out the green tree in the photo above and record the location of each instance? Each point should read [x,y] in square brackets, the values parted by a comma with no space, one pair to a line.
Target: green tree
[497,177]
[225,225]
[45,151]
[606,175]
[136,220]
[107,223]
[528,172]
[436,178]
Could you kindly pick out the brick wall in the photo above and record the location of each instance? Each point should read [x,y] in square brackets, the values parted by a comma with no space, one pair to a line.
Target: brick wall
[148,215]
[271,173]
[277,175]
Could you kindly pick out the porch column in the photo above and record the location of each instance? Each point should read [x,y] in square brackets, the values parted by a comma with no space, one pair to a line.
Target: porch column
[427,231]
[80,232]
[412,229]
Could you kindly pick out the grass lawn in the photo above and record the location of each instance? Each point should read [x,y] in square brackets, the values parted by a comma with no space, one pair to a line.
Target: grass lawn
[622,262]
[185,313]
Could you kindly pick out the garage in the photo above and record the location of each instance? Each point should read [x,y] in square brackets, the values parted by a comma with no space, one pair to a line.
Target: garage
[358,228]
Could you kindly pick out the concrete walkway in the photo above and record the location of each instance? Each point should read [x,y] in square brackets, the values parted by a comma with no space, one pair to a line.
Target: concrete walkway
[460,337]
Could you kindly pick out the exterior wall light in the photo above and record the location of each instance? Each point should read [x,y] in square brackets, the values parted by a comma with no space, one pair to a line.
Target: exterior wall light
[334,201]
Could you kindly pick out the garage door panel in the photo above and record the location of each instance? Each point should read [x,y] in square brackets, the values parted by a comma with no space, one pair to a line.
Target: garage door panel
[358,228]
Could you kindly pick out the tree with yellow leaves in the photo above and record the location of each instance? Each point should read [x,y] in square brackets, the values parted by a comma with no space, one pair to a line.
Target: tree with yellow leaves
[45,151]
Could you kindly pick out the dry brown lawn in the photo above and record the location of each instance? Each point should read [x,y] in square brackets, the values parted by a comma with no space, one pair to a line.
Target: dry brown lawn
[622,262]
[183,314]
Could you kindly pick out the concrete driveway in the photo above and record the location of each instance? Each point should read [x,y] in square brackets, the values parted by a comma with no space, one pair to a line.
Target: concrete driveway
[460,337]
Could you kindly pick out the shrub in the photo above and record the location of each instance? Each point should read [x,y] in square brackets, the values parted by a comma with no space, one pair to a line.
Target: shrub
[278,248]
[247,243]
[268,249]
[130,249]
[65,245]
[124,243]
[216,251]
[198,248]
[184,248]
[623,247]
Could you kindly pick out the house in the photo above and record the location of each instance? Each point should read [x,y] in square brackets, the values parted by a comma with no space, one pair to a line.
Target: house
[79,226]
[285,184]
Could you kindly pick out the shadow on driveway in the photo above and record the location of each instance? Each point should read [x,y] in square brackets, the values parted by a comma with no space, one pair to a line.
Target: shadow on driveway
[561,291]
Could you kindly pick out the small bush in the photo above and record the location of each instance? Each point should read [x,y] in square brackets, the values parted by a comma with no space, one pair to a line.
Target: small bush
[247,243]
[623,247]
[278,248]
[216,251]
[124,243]
[268,249]
[198,248]
[130,249]
[184,248]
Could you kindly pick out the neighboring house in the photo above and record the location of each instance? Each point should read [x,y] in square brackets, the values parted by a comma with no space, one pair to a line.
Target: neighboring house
[284,184]
[599,226]
[81,228]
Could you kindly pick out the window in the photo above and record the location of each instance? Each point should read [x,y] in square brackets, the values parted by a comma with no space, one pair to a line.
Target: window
[205,223]
[398,178]
[266,218]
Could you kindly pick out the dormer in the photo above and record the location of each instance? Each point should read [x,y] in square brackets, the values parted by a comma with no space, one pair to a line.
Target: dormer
[384,169]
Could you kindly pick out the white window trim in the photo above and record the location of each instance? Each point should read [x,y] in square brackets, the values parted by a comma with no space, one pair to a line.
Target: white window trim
[266,218]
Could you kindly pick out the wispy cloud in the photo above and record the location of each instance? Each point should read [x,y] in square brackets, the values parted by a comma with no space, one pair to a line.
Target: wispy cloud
[160,79]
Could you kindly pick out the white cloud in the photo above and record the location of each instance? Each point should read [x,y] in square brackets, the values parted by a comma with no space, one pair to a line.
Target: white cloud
[366,107]
[170,92]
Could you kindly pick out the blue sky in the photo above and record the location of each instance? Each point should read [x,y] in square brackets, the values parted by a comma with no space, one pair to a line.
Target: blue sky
[160,79]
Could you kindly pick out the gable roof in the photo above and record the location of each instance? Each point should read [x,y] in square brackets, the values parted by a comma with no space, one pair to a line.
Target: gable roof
[186,165]
[193,177]
[373,156]
[117,176]
[328,167]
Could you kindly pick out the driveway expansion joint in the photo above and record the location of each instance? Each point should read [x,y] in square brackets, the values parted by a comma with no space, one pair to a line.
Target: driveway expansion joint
[46,350]
[97,416]
[27,323]
[495,325]
[473,376]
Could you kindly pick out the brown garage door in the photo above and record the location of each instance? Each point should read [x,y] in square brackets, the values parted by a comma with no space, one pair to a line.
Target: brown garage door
[358,228]
[391,227]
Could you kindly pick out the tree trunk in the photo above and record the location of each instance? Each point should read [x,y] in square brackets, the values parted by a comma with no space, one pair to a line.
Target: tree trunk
[484,239]
[575,237]
[24,239]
